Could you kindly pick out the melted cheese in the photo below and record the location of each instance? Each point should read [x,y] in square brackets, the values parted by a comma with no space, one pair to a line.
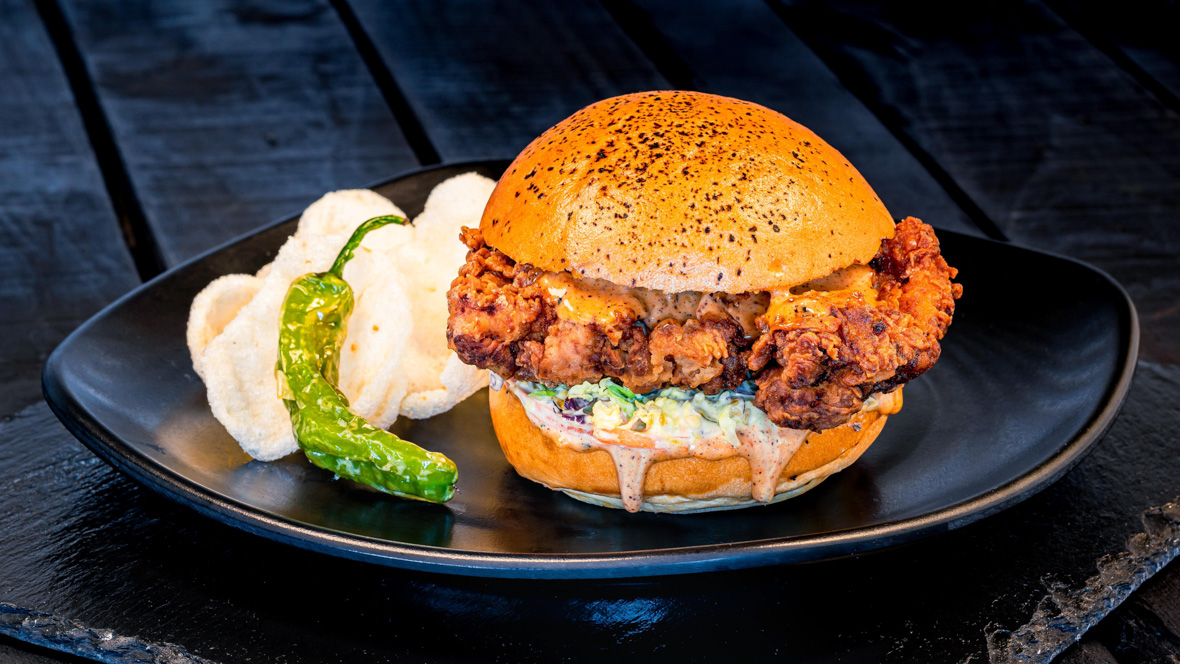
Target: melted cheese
[599,301]
[849,286]
[855,277]
[587,301]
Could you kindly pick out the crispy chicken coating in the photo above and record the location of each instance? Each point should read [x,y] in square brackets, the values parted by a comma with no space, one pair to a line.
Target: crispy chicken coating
[504,320]
[815,355]
[830,360]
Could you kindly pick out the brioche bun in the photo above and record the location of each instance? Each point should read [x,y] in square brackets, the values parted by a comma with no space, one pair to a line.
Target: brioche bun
[676,485]
[680,191]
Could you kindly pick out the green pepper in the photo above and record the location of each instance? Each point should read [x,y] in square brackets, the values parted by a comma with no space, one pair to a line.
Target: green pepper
[311,333]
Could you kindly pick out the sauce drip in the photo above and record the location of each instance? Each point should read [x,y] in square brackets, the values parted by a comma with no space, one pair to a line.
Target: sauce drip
[768,450]
[768,454]
[631,463]
[745,308]
[587,301]
[662,306]
[598,301]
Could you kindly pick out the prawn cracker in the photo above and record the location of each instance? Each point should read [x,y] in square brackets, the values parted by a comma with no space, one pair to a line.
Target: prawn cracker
[378,335]
[435,379]
[213,308]
[395,358]
[239,363]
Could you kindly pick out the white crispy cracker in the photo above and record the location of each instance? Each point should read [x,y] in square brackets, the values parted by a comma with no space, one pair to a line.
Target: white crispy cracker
[240,362]
[395,359]
[436,380]
[458,381]
[213,308]
[376,344]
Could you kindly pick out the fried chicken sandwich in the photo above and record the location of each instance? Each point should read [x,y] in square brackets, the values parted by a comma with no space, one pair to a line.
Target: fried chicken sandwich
[689,302]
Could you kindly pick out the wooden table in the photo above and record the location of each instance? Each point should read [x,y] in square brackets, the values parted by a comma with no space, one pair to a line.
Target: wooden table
[135,135]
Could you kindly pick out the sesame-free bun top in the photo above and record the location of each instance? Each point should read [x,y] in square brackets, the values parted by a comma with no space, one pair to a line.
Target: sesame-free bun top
[681,191]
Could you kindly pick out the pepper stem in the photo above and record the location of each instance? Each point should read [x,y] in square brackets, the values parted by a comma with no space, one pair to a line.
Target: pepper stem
[361,231]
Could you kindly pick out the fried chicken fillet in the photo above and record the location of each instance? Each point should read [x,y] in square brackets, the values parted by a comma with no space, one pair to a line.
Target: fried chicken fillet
[816,351]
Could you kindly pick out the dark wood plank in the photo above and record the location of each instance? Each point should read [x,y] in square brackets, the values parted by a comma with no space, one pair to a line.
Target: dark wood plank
[230,114]
[18,652]
[1145,630]
[1161,596]
[485,78]
[1087,651]
[60,244]
[740,49]
[1061,148]
[1135,636]
[1139,36]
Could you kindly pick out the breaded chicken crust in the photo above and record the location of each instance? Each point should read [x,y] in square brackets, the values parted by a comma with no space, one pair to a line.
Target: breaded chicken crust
[813,369]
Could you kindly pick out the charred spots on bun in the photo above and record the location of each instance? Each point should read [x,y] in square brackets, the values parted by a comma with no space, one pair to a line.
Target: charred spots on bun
[695,303]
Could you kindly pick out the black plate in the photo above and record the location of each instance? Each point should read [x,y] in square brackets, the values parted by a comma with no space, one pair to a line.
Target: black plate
[1033,370]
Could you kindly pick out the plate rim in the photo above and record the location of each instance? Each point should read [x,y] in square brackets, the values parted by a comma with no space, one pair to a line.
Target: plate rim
[642,563]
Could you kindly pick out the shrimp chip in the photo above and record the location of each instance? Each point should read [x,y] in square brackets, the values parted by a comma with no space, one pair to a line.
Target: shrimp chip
[429,264]
[458,381]
[239,363]
[214,308]
[376,344]
[395,359]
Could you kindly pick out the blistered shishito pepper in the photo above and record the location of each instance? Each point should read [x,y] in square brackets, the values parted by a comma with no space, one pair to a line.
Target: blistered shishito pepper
[311,334]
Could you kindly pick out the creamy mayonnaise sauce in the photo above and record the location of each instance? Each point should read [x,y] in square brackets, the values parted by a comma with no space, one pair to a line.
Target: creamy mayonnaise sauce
[768,448]
[745,309]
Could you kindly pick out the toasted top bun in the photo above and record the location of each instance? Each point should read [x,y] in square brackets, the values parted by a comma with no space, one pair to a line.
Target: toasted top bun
[677,485]
[681,191]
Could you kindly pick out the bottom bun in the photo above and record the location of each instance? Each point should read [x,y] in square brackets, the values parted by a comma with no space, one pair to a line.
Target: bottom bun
[687,484]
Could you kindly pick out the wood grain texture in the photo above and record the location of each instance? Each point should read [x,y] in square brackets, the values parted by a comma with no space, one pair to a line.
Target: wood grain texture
[13,651]
[1087,651]
[230,114]
[60,245]
[1161,596]
[740,49]
[1138,36]
[485,78]
[1144,630]
[1062,149]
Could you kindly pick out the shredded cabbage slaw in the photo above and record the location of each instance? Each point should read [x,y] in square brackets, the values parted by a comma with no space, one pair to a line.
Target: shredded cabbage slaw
[673,414]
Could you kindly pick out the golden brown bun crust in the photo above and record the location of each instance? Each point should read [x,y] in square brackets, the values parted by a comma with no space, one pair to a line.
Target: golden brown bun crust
[688,483]
[685,191]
